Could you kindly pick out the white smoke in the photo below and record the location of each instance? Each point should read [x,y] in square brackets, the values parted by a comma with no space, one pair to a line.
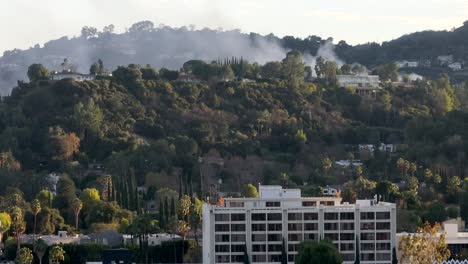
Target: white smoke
[326,51]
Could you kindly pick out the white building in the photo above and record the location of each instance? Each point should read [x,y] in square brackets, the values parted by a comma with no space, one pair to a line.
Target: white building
[153,239]
[445,59]
[407,64]
[456,66]
[57,76]
[364,84]
[260,225]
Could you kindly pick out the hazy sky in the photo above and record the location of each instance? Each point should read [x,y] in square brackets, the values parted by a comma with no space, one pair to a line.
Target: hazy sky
[24,23]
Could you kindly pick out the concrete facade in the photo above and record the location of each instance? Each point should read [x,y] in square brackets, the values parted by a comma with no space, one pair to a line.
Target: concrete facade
[260,225]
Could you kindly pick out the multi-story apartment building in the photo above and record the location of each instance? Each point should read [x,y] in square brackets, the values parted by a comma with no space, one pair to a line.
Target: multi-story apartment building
[261,226]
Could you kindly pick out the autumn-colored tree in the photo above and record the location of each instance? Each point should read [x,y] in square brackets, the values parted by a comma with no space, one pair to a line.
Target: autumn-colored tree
[250,191]
[5,223]
[8,161]
[426,246]
[183,207]
[64,145]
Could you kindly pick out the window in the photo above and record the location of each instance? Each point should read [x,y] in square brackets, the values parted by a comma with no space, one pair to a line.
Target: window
[346,246]
[291,258]
[367,246]
[367,216]
[238,237]
[294,216]
[368,257]
[347,216]
[237,248]
[222,217]
[383,236]
[383,226]
[274,227]
[221,238]
[311,236]
[221,228]
[258,258]
[272,204]
[237,258]
[259,248]
[258,217]
[258,227]
[331,226]
[274,237]
[236,204]
[347,236]
[293,247]
[309,203]
[274,217]
[331,236]
[327,203]
[310,226]
[237,227]
[347,226]
[383,246]
[348,257]
[258,237]
[383,256]
[274,258]
[295,227]
[367,226]
[278,248]
[331,216]
[383,215]
[310,216]
[222,248]
[238,217]
[294,237]
[367,236]
[222,258]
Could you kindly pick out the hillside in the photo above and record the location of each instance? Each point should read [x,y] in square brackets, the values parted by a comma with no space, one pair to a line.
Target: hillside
[171,47]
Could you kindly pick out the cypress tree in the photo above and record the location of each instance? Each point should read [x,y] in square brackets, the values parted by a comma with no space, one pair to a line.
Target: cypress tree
[394,256]
[357,257]
[161,215]
[173,207]
[166,210]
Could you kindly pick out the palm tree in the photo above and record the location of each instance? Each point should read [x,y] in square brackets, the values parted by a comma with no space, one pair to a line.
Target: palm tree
[77,205]
[36,209]
[18,226]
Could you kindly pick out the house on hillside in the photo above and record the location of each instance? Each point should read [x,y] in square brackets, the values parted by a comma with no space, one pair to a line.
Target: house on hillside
[188,78]
[365,85]
[57,76]
[445,60]
[456,66]
[407,64]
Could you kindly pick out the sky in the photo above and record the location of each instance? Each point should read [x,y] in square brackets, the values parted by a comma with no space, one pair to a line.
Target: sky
[24,23]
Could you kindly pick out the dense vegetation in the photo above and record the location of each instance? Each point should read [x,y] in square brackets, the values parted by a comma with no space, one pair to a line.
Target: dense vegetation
[150,129]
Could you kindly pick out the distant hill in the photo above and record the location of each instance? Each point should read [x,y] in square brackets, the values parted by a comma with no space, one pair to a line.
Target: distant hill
[171,47]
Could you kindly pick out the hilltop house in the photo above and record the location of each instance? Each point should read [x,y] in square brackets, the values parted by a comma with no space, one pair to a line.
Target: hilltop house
[57,76]
[445,59]
[364,84]
[407,64]
[456,66]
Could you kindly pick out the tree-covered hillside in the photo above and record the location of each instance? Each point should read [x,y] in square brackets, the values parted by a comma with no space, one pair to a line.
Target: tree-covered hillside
[218,131]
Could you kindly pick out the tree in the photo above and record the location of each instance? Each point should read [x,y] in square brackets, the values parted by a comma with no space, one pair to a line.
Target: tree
[346,69]
[66,192]
[76,205]
[436,213]
[387,72]
[183,207]
[18,226]
[293,69]
[250,191]
[56,254]
[358,253]
[36,209]
[195,218]
[141,26]
[25,256]
[88,32]
[426,246]
[37,72]
[326,165]
[64,145]
[271,70]
[89,197]
[284,254]
[41,249]
[246,259]
[45,197]
[318,252]
[228,73]
[5,224]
